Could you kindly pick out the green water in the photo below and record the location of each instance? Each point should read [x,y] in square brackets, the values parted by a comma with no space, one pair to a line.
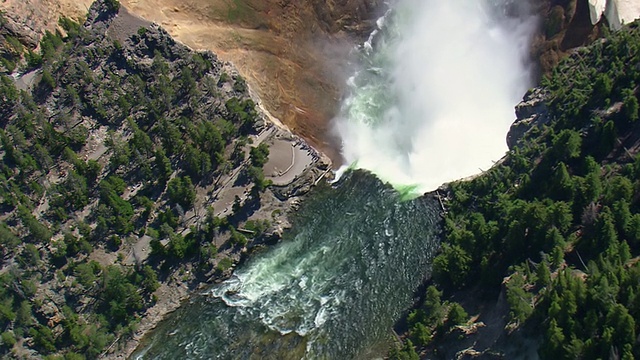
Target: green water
[331,289]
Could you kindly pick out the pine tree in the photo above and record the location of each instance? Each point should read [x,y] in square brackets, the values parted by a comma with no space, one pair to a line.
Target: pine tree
[553,342]
[543,274]
[562,184]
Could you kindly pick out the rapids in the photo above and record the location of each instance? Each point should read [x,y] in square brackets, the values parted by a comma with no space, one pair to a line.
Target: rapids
[331,289]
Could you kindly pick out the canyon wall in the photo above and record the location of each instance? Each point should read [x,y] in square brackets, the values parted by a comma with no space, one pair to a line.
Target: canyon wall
[567,24]
[295,53]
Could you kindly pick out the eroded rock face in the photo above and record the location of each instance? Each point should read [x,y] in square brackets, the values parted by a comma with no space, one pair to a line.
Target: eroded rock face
[25,34]
[291,52]
[531,113]
[355,16]
[29,19]
[568,24]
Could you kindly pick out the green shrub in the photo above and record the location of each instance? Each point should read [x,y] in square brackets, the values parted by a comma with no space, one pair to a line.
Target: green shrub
[8,339]
[112,5]
[224,264]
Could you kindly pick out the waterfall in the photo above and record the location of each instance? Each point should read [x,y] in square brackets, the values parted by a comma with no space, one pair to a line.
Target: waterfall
[434,96]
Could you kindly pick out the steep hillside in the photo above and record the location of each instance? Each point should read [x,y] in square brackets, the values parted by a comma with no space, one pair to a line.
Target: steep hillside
[132,170]
[32,17]
[292,53]
[543,248]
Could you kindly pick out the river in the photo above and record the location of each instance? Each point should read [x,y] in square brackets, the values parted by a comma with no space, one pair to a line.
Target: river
[331,289]
[431,102]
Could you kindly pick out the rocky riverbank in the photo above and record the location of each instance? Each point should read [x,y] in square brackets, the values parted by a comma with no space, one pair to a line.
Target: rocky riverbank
[171,173]
[305,166]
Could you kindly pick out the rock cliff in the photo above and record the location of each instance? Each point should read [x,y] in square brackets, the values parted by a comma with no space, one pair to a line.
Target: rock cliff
[568,24]
[531,113]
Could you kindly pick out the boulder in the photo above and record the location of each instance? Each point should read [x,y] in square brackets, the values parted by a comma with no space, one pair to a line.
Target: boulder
[531,112]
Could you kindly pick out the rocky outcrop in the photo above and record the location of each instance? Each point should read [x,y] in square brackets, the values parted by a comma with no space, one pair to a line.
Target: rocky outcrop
[27,20]
[531,113]
[568,24]
[9,26]
[354,16]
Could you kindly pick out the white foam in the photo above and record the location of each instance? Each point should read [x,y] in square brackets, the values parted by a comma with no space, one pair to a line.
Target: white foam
[454,76]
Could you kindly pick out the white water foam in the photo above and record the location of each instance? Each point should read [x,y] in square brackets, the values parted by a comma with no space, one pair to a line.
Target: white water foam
[258,290]
[453,71]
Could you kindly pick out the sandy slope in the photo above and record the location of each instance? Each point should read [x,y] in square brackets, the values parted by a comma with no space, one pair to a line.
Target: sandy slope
[293,53]
[280,47]
[43,14]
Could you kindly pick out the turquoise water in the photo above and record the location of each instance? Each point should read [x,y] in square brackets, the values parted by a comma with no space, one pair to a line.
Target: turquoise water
[331,289]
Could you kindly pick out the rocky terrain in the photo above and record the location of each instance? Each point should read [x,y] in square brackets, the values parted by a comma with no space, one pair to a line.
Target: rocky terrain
[292,53]
[135,171]
[30,18]
[531,113]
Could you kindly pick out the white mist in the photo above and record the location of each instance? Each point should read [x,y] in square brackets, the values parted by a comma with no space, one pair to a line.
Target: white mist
[435,97]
